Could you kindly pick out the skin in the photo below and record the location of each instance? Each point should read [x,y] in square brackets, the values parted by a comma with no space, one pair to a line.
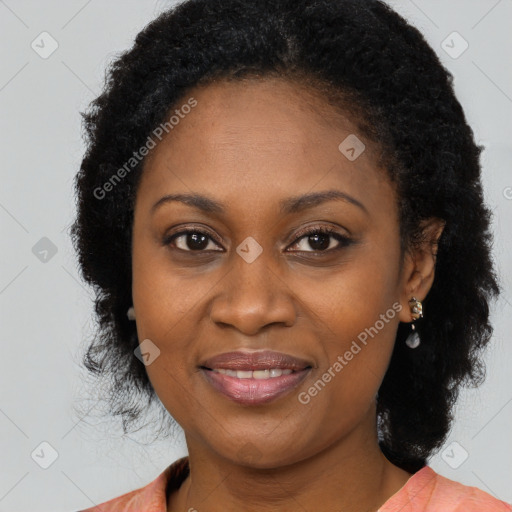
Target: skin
[250,145]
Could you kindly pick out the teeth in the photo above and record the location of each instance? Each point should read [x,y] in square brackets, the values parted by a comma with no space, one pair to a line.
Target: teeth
[256,374]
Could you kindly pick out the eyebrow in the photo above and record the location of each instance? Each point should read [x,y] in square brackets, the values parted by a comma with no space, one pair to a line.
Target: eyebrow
[287,206]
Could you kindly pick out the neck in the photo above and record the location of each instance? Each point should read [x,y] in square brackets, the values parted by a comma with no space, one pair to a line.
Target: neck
[350,474]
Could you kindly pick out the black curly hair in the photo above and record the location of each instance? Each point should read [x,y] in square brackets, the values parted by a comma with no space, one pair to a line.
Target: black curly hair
[364,59]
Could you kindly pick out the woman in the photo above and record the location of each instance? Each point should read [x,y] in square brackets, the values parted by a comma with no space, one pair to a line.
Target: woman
[281,211]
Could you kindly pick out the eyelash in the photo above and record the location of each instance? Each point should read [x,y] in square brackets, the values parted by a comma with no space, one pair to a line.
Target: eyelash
[324,230]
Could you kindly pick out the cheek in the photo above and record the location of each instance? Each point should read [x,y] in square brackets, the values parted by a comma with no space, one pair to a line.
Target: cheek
[166,307]
[359,300]
[356,317]
[172,371]
[170,321]
[357,349]
[163,295]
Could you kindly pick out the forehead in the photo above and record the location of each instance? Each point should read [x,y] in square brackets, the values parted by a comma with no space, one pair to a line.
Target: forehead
[257,140]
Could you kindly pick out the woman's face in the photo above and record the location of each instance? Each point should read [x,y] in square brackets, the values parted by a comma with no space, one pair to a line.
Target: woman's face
[251,281]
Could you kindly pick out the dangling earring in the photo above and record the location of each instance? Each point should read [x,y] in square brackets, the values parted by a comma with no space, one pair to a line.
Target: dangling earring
[413,340]
[130,313]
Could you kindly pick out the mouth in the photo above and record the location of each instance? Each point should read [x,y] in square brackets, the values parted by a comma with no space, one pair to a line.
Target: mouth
[254,378]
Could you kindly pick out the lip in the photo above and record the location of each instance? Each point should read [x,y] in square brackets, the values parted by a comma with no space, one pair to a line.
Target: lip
[251,391]
[260,360]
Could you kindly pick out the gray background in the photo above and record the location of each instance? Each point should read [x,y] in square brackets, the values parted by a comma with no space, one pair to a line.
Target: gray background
[46,311]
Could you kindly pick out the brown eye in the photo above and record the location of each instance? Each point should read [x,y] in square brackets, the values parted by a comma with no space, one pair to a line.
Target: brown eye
[316,240]
[191,241]
[321,239]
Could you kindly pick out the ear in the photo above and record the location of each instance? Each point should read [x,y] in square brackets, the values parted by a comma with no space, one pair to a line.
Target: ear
[419,266]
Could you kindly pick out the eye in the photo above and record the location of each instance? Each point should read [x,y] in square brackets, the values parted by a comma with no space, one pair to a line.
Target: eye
[320,239]
[191,241]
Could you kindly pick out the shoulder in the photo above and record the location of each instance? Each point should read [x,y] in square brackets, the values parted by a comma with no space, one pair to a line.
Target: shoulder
[428,491]
[465,497]
[152,497]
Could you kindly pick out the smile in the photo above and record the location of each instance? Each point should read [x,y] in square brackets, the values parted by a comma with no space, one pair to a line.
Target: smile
[255,374]
[254,377]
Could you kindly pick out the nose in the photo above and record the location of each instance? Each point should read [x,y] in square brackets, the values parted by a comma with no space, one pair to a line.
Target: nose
[253,296]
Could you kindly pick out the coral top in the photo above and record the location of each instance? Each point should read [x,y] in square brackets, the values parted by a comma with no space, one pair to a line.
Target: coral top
[425,491]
